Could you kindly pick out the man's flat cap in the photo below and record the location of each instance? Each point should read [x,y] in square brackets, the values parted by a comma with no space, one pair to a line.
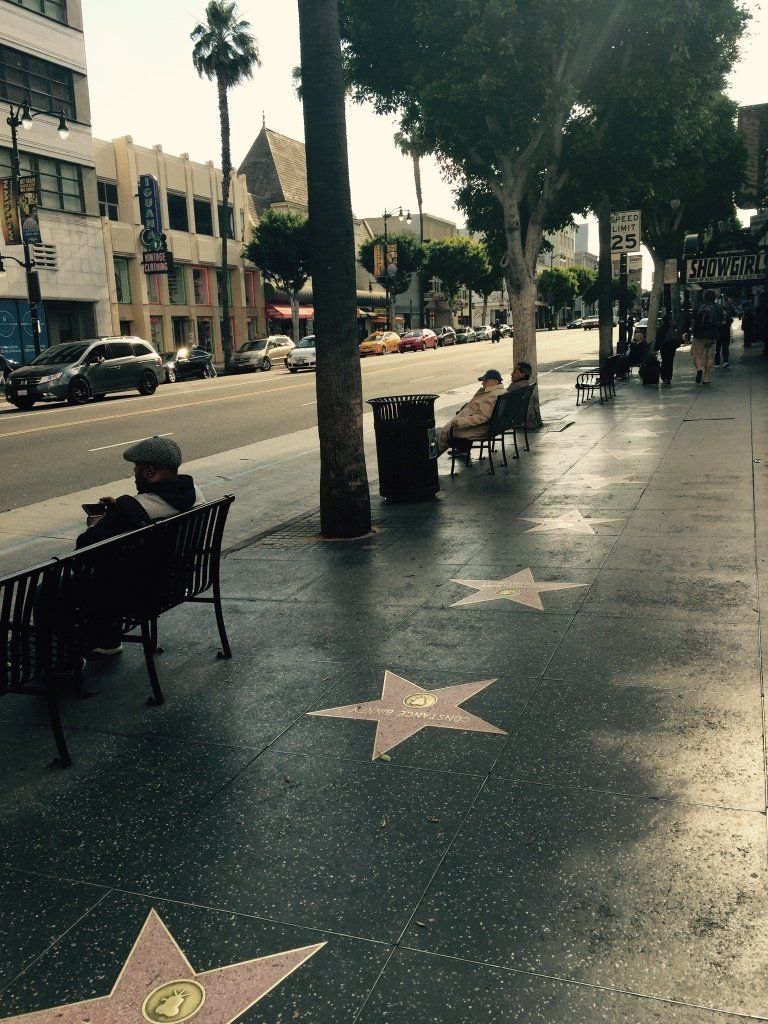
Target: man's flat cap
[155,451]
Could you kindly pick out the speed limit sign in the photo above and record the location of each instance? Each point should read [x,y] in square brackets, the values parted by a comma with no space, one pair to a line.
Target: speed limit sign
[625,231]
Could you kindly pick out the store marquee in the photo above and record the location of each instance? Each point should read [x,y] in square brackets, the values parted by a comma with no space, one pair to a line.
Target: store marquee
[733,268]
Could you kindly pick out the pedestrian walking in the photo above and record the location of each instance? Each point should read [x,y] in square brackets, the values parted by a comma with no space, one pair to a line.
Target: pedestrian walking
[495,334]
[667,344]
[723,344]
[706,321]
[748,325]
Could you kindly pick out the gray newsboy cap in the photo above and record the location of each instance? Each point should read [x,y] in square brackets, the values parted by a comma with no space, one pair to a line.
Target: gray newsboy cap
[155,451]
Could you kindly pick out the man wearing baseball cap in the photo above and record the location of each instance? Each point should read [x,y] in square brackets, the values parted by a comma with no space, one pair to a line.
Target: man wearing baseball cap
[161,492]
[471,421]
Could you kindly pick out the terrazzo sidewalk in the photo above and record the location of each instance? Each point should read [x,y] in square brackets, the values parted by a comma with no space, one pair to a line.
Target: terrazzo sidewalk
[501,761]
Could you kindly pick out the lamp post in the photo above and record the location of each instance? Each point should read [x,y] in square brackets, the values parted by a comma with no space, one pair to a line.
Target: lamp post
[22,115]
[401,216]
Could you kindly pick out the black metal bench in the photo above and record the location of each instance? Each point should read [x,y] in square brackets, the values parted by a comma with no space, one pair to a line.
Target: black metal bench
[52,615]
[601,382]
[509,415]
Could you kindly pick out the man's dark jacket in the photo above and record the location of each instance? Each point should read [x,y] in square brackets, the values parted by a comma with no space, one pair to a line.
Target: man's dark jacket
[158,501]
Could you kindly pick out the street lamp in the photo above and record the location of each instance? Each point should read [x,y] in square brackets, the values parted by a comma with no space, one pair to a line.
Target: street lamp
[22,116]
[402,215]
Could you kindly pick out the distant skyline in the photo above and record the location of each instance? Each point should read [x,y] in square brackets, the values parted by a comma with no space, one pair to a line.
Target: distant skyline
[143,84]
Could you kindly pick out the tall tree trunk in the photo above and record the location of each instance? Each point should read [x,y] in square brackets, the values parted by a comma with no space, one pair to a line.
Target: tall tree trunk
[605,280]
[345,507]
[485,310]
[295,316]
[226,167]
[522,302]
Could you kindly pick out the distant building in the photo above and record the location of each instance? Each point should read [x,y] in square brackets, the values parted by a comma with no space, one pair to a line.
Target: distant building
[185,308]
[42,59]
[583,257]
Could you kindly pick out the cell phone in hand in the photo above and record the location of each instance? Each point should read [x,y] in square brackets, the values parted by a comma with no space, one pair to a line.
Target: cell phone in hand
[96,509]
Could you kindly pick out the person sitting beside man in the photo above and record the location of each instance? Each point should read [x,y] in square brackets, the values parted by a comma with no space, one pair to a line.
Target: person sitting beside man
[471,421]
[521,377]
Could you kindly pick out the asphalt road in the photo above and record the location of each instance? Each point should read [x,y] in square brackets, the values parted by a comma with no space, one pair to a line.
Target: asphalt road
[56,449]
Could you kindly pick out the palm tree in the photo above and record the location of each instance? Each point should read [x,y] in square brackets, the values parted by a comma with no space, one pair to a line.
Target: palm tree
[415,147]
[345,506]
[226,53]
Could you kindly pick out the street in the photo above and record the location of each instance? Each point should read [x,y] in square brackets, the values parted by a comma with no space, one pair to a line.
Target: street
[71,448]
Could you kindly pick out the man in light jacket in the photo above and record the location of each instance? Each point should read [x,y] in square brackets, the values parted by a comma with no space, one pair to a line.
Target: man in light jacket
[471,421]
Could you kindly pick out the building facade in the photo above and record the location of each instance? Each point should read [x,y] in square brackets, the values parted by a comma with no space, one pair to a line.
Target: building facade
[184,308]
[42,61]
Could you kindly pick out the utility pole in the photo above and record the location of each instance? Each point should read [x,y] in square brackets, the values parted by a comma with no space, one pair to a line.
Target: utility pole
[623,302]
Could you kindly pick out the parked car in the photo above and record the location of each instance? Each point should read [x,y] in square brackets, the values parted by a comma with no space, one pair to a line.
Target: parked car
[590,323]
[465,335]
[418,340]
[186,363]
[80,370]
[7,366]
[573,324]
[304,356]
[506,330]
[262,354]
[380,343]
[446,336]
[641,328]
[483,333]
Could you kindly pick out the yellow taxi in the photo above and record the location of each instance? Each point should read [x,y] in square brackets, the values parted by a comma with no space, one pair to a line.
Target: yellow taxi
[380,343]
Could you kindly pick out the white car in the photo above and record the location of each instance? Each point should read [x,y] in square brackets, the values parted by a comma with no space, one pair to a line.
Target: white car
[262,354]
[303,357]
[484,333]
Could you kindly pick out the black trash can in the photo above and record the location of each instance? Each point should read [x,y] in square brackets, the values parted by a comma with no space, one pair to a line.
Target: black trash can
[406,447]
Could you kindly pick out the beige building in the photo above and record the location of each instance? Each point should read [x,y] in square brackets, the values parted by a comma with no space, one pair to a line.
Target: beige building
[42,60]
[185,307]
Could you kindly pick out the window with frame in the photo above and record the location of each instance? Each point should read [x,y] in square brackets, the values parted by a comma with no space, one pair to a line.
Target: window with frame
[156,332]
[203,217]
[123,280]
[47,86]
[220,290]
[153,289]
[60,184]
[108,206]
[178,216]
[250,287]
[201,285]
[253,329]
[177,286]
[56,9]
[230,221]
[205,333]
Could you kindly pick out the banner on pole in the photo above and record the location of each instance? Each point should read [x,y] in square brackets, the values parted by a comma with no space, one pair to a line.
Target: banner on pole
[30,219]
[11,227]
[378,260]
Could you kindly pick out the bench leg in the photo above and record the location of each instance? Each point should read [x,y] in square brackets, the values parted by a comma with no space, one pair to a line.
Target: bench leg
[492,470]
[149,658]
[226,650]
[453,461]
[503,451]
[525,432]
[514,438]
[63,760]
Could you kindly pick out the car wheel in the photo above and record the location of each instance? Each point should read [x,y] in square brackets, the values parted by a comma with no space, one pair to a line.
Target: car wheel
[148,383]
[382,351]
[292,369]
[423,346]
[24,404]
[79,391]
[265,364]
[170,376]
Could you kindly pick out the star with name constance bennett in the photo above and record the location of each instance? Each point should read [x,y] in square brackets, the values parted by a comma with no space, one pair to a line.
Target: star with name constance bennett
[158,985]
[520,588]
[404,709]
[572,522]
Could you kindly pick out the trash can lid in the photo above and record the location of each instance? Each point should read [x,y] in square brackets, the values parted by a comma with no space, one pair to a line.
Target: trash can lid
[395,400]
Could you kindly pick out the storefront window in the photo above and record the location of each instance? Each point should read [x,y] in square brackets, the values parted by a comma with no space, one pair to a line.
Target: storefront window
[183,333]
[220,290]
[205,332]
[177,285]
[153,289]
[122,280]
[232,337]
[250,287]
[156,332]
[202,286]
[253,328]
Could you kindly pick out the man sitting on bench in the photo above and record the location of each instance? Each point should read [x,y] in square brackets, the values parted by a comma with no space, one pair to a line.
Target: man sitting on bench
[521,377]
[471,421]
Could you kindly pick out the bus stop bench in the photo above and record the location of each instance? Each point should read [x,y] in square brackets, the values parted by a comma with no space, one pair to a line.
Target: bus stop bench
[53,615]
[510,414]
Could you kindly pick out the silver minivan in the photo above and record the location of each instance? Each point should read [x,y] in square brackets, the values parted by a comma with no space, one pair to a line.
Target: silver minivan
[262,353]
[78,371]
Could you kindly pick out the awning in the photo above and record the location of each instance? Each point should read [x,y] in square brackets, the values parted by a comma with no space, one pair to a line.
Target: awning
[284,312]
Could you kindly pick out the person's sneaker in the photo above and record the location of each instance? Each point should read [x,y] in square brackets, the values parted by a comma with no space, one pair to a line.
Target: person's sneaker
[725,366]
[107,652]
[706,382]
[699,375]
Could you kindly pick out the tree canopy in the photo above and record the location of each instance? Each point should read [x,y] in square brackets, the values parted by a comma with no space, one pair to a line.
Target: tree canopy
[559,285]
[280,249]
[410,256]
[224,50]
[458,262]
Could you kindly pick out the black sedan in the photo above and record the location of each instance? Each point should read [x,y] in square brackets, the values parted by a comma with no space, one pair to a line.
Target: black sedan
[186,363]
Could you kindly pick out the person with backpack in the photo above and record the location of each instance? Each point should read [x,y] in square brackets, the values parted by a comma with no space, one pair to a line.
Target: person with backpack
[706,322]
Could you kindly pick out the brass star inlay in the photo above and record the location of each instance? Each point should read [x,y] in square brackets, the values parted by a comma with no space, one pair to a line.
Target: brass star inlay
[572,522]
[520,588]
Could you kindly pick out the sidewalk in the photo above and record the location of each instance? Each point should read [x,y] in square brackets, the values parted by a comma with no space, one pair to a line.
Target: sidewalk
[576,834]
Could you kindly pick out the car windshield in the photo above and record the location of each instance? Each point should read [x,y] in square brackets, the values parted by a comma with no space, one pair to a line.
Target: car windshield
[308,342]
[254,346]
[60,355]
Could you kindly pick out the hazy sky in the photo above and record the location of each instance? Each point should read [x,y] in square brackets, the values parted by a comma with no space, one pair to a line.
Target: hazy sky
[143,84]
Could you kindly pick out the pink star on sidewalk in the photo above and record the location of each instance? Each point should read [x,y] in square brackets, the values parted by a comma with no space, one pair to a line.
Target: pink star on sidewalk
[521,588]
[404,709]
[157,984]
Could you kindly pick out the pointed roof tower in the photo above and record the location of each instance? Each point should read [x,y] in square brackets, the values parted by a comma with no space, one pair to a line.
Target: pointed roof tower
[275,170]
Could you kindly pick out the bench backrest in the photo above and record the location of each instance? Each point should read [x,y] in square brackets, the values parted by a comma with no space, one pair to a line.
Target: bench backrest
[61,607]
[511,410]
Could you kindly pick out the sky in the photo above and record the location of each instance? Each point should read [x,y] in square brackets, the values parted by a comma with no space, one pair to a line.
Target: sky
[143,84]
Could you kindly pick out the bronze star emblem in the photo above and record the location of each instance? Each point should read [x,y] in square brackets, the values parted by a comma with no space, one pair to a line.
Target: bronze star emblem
[521,588]
[404,709]
[573,522]
[158,985]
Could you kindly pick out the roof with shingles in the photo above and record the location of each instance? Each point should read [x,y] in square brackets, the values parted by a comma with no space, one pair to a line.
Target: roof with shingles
[276,170]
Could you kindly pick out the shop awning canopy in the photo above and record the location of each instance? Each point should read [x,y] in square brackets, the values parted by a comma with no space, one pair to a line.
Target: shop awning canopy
[284,312]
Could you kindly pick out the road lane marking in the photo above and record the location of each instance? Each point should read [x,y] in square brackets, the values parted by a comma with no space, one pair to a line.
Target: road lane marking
[120,443]
[417,379]
[305,404]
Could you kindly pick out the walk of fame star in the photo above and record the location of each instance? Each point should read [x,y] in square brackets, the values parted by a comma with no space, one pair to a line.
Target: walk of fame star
[573,522]
[157,984]
[621,456]
[521,588]
[595,482]
[404,709]
[642,433]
